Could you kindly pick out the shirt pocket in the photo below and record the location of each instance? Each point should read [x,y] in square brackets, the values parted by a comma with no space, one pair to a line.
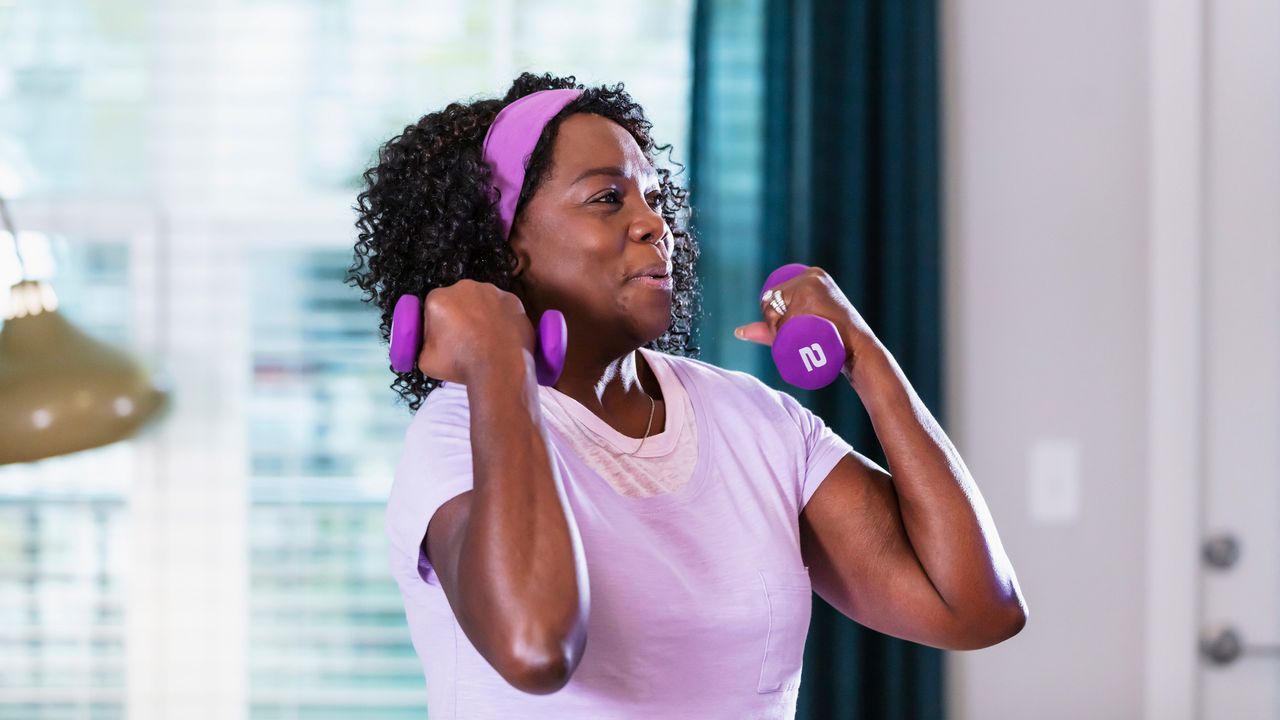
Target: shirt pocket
[789,594]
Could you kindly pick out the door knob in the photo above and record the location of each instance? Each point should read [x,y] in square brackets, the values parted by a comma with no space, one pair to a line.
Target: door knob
[1223,645]
[1221,550]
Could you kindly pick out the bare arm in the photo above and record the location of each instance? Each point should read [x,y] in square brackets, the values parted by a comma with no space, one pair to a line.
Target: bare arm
[914,553]
[508,553]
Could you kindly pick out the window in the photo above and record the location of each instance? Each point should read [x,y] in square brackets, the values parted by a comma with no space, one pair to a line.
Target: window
[327,631]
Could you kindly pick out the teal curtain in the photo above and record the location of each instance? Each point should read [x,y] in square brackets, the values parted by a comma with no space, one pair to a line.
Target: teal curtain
[815,139]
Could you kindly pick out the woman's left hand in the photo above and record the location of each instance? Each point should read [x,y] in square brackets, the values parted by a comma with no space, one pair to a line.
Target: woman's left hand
[813,292]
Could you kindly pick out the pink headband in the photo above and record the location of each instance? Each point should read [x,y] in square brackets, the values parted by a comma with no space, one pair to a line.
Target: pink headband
[511,139]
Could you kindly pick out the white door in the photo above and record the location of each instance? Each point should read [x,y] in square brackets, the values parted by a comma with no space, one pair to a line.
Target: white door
[1239,580]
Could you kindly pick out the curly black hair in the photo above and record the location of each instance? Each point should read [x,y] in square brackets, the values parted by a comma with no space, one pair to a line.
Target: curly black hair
[426,217]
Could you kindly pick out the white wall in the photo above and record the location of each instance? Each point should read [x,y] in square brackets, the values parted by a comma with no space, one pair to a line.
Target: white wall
[1047,189]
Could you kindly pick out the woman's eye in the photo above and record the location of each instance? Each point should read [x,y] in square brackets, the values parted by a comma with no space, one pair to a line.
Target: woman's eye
[655,201]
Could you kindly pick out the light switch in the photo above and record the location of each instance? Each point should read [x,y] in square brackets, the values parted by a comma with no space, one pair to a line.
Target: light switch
[1054,481]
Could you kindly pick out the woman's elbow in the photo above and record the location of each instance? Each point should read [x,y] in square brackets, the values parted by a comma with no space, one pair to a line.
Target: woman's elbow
[547,669]
[541,678]
[990,630]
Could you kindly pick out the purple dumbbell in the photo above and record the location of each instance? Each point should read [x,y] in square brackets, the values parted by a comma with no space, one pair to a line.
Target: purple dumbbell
[406,340]
[807,349]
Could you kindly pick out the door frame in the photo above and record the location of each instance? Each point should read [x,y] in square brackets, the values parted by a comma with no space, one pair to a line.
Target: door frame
[1175,360]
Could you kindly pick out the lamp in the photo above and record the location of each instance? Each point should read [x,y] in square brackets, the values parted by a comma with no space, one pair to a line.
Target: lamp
[62,391]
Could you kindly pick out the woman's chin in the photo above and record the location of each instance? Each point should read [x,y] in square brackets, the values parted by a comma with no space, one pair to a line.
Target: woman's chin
[649,326]
[649,313]
[658,327]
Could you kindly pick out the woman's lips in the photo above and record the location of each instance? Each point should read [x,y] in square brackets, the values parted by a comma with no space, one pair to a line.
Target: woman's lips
[658,283]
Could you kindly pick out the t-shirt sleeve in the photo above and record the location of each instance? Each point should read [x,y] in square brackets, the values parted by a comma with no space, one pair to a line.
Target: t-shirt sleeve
[823,448]
[434,466]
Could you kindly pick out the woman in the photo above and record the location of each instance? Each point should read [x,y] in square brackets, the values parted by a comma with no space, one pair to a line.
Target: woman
[642,538]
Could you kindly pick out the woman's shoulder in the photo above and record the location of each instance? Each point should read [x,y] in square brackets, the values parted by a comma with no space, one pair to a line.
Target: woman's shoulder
[446,403]
[718,384]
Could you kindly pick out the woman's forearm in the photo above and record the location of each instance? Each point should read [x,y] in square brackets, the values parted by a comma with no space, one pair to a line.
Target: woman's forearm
[522,566]
[945,516]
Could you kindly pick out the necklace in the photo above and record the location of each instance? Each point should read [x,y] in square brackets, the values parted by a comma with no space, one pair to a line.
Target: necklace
[652,406]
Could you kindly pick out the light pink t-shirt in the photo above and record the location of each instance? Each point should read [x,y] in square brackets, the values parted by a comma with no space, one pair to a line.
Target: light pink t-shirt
[700,599]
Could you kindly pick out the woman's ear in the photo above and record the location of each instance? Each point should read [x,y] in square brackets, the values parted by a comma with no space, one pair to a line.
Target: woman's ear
[518,248]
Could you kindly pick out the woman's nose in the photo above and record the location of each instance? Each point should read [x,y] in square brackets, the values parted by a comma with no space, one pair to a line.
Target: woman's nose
[649,227]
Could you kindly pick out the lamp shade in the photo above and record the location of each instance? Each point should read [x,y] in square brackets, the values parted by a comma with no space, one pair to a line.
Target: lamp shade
[62,391]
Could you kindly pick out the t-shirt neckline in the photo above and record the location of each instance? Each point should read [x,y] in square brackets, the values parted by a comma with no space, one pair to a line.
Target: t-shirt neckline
[697,480]
[655,445]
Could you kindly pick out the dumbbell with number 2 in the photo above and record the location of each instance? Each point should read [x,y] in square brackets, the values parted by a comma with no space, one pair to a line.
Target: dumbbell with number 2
[807,348]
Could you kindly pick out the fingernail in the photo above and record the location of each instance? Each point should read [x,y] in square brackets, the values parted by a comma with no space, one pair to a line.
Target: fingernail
[737,332]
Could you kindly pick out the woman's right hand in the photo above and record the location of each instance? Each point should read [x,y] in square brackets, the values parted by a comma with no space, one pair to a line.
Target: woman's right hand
[469,327]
